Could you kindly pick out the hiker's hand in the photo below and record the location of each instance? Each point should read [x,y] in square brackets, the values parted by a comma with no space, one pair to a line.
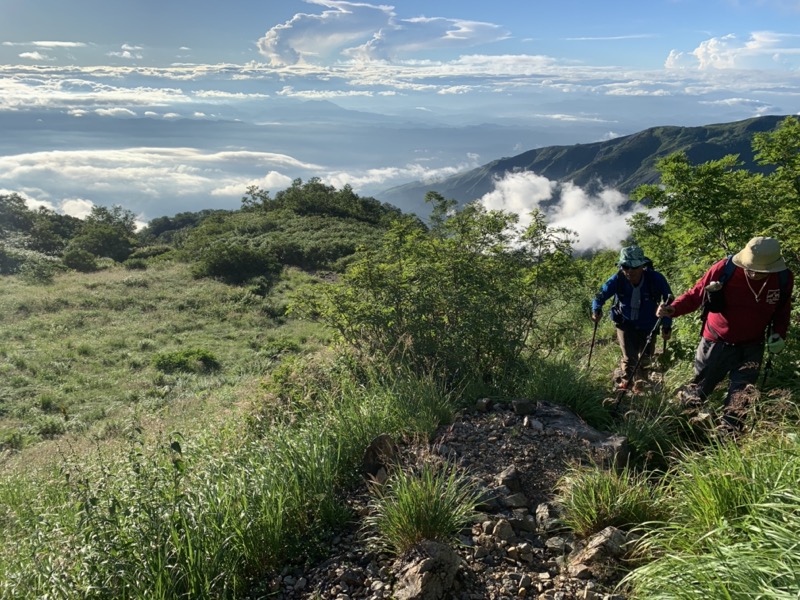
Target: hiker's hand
[775,343]
[596,315]
[665,310]
[666,335]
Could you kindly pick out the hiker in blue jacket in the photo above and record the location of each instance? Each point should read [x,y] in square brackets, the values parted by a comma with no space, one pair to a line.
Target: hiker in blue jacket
[638,290]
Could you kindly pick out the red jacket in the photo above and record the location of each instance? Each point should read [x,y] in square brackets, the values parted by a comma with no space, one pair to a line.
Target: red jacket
[744,319]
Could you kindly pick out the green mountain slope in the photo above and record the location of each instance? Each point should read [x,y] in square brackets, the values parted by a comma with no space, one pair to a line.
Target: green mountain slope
[623,163]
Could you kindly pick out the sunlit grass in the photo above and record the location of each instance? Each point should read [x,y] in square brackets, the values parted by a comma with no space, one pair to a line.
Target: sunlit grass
[431,501]
[81,350]
[200,515]
[733,529]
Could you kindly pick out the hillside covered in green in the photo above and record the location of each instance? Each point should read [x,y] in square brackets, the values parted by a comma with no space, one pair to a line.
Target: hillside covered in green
[623,163]
[184,409]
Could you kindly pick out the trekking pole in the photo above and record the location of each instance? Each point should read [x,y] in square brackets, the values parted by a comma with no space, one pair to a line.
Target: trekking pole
[768,365]
[648,341]
[594,335]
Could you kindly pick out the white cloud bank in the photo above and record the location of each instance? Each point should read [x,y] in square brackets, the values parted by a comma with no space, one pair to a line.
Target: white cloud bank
[598,221]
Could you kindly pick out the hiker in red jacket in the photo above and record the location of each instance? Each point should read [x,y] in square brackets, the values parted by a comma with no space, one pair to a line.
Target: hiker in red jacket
[747,298]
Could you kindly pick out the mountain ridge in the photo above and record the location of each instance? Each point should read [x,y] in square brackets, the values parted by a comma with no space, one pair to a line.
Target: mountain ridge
[623,163]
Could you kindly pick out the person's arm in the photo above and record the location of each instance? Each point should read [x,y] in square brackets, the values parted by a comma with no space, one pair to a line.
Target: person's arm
[666,294]
[692,299]
[608,289]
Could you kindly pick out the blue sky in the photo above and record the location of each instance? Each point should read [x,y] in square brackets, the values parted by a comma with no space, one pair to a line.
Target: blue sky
[173,105]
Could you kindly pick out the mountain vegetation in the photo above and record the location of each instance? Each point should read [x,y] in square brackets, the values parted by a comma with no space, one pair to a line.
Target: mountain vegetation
[184,409]
[623,163]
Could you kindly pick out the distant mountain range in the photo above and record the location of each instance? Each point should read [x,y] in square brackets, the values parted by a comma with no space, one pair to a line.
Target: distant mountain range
[623,163]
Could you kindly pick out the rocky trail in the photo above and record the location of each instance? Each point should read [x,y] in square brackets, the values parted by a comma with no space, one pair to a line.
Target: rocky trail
[515,549]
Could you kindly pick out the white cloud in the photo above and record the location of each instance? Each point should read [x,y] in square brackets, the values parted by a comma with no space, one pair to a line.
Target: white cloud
[763,50]
[309,37]
[34,56]
[367,32]
[386,176]
[115,112]
[577,210]
[77,207]
[272,182]
[151,176]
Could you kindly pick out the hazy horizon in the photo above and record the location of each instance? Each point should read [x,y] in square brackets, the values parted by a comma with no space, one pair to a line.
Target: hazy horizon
[182,108]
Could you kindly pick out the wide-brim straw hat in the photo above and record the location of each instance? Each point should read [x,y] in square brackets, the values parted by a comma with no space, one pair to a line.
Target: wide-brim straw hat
[762,255]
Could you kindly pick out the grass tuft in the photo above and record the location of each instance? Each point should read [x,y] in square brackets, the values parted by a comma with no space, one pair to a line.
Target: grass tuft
[433,501]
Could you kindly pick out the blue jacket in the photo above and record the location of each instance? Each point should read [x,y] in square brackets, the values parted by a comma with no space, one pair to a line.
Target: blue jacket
[654,290]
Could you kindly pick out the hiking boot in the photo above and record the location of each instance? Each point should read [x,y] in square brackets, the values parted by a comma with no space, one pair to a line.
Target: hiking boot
[727,431]
[689,398]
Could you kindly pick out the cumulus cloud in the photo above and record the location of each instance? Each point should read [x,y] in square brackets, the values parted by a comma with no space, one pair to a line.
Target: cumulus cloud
[762,50]
[598,220]
[77,207]
[272,182]
[364,31]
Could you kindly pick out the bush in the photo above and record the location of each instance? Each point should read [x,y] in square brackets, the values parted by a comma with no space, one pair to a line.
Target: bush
[463,299]
[592,498]
[196,360]
[135,264]
[434,502]
[80,260]
[10,262]
[236,262]
[37,270]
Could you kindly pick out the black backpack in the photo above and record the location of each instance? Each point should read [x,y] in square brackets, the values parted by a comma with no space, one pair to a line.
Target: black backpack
[714,301]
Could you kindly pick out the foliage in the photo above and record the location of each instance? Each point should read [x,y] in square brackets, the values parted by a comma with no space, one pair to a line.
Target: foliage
[592,498]
[716,207]
[462,299]
[80,260]
[192,360]
[235,262]
[200,516]
[14,214]
[103,240]
[314,197]
[733,518]
[10,261]
[431,501]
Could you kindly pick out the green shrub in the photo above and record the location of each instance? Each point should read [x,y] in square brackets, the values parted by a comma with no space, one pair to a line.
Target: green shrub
[236,262]
[195,360]
[462,299]
[80,260]
[592,498]
[38,271]
[135,264]
[432,502]
[10,261]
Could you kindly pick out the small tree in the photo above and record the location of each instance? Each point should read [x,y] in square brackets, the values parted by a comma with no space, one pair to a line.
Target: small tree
[460,299]
[234,261]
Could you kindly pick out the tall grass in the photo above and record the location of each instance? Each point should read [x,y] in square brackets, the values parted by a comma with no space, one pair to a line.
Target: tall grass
[431,501]
[592,498]
[734,526]
[199,517]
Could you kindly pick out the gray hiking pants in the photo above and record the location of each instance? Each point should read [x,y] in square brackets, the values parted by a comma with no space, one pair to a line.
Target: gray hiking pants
[632,342]
[714,360]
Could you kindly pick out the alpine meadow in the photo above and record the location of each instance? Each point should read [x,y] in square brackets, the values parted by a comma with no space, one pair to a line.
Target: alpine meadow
[185,408]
